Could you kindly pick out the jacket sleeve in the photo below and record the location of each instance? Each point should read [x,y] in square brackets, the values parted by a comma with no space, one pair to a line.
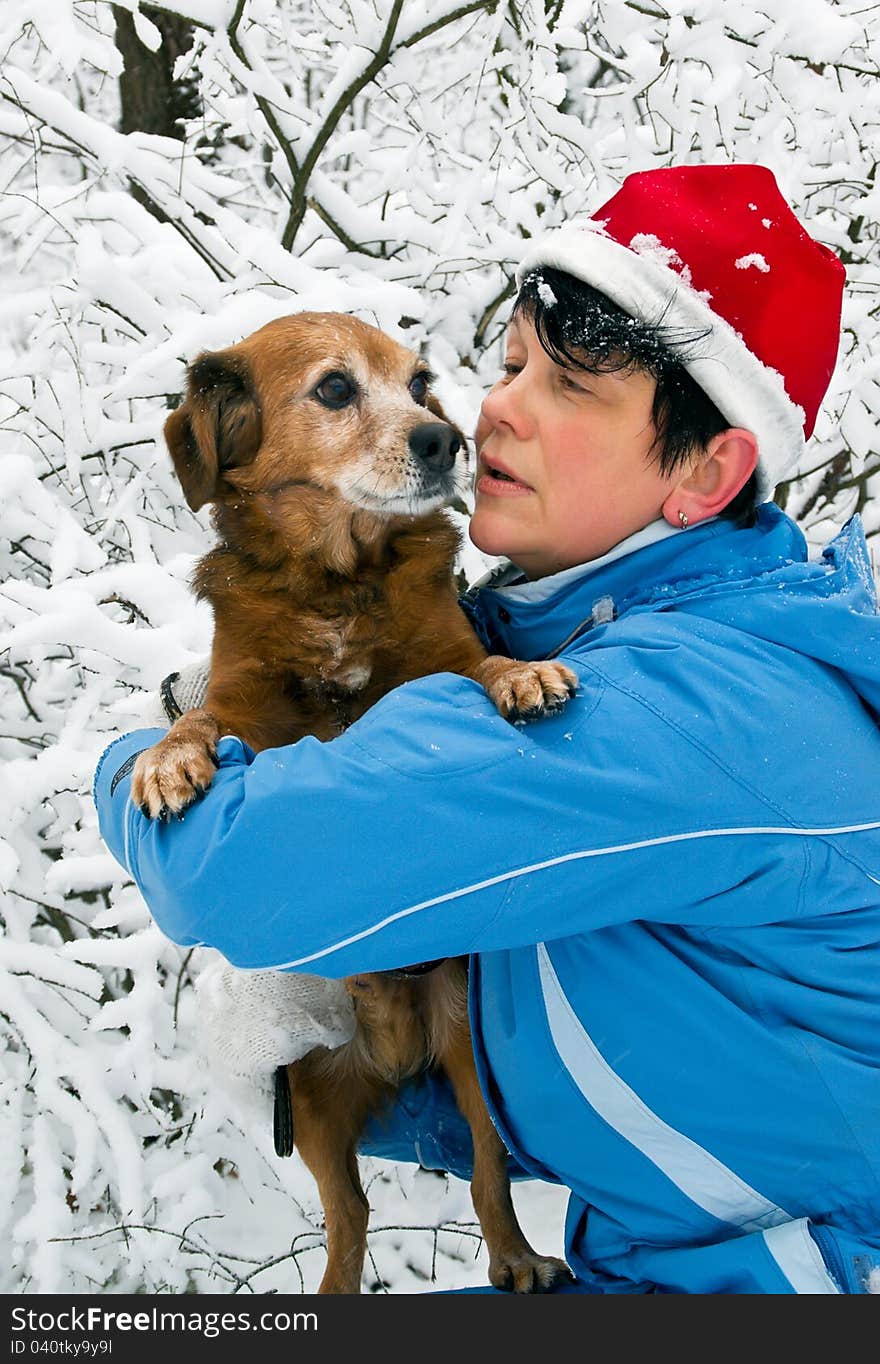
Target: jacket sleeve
[430,828]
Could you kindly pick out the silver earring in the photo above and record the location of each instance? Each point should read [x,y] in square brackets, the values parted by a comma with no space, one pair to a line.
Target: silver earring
[682,516]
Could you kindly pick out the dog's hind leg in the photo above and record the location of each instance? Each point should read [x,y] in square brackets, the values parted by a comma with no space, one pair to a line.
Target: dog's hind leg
[513,1265]
[327,1122]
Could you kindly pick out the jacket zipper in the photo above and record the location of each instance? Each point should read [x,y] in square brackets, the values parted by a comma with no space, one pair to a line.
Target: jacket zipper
[831,1255]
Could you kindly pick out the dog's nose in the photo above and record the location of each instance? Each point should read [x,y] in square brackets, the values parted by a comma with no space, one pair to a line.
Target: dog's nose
[435,444]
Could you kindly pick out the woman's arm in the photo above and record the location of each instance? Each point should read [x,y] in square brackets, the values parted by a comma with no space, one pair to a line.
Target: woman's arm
[317,855]
[434,828]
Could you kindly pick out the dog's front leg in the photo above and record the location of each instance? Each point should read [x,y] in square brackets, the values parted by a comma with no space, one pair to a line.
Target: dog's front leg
[180,767]
[523,690]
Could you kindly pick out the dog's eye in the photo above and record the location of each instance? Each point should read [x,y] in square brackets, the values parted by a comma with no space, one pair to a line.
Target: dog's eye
[335,390]
[418,387]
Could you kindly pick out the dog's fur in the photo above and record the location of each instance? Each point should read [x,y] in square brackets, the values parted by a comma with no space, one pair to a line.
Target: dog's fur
[327,463]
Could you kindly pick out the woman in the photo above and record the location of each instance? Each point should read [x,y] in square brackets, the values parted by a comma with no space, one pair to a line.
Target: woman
[670,891]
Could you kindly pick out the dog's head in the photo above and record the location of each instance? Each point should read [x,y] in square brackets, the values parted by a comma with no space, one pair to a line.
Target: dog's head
[321,401]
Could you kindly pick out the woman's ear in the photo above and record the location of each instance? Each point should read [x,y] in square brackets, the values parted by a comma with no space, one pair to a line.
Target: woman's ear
[725,467]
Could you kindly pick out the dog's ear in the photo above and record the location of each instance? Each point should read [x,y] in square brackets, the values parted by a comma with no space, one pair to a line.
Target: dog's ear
[217,427]
[433,405]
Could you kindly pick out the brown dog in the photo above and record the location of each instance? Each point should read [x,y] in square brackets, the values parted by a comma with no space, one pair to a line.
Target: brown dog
[327,463]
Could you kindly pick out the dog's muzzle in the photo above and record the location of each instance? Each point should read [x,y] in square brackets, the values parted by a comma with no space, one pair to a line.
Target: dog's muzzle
[435,445]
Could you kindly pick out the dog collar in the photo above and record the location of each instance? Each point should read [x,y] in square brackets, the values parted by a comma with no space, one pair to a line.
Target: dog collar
[420,968]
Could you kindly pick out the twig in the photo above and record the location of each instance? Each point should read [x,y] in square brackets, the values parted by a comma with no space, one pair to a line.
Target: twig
[489,312]
[263,104]
[298,196]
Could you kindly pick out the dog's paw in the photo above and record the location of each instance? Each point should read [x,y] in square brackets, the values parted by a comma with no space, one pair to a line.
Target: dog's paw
[172,774]
[523,691]
[528,1272]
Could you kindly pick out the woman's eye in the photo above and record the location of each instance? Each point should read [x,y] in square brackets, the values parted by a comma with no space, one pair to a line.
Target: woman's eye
[418,387]
[510,370]
[335,391]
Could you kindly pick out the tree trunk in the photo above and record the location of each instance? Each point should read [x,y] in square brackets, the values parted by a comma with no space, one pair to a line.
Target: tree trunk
[151,100]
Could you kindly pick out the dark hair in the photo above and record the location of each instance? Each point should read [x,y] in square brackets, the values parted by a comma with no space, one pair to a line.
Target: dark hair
[581,328]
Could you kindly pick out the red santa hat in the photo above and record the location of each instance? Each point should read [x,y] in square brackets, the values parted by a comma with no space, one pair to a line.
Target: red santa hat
[717,249]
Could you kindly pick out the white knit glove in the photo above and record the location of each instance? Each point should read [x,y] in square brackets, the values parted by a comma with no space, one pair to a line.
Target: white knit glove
[251,1022]
[179,692]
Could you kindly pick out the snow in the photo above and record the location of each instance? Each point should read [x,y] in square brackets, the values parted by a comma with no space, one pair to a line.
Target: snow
[127,1167]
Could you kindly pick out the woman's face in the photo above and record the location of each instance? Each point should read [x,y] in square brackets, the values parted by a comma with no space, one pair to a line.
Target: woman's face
[565,464]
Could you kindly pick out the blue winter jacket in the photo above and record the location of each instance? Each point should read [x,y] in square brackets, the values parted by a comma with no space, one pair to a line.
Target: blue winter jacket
[671,891]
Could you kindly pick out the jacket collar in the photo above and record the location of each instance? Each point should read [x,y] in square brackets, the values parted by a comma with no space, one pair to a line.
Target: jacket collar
[517,587]
[537,619]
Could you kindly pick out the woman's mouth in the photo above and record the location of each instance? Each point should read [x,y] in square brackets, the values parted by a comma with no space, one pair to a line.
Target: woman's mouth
[497,481]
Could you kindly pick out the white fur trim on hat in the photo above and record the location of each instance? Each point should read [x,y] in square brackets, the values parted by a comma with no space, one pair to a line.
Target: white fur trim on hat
[746,391]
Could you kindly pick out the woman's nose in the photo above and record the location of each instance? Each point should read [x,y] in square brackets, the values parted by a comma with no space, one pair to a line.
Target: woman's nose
[493,406]
[502,406]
